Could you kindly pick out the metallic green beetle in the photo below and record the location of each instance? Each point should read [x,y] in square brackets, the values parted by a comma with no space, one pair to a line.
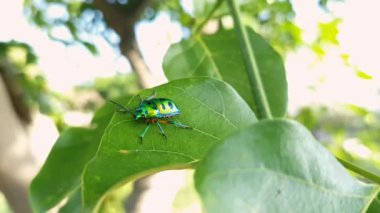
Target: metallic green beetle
[154,110]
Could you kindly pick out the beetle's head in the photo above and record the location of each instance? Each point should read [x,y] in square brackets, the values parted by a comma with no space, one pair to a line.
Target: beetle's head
[140,114]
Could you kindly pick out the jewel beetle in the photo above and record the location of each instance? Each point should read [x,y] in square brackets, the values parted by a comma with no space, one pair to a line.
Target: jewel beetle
[155,111]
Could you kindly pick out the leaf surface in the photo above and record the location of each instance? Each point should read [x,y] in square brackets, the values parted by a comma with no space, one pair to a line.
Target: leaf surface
[62,170]
[211,107]
[219,56]
[277,166]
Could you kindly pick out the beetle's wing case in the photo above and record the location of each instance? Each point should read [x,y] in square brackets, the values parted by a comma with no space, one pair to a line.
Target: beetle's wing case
[148,109]
[166,107]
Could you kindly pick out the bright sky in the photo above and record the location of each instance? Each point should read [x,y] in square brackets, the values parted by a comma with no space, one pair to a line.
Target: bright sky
[336,83]
[359,36]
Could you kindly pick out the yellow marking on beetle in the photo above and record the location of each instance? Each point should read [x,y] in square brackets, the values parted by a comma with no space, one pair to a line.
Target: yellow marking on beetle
[151,112]
[164,108]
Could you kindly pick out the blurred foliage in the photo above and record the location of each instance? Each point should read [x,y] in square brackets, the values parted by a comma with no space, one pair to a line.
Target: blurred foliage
[109,88]
[325,3]
[187,199]
[329,31]
[117,86]
[275,21]
[327,36]
[360,73]
[363,75]
[18,65]
[350,131]
[4,207]
[79,21]
[176,11]
[272,19]
[114,202]
[75,20]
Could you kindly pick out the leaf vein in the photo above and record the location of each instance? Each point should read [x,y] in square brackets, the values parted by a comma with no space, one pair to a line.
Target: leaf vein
[160,151]
[206,106]
[192,72]
[209,54]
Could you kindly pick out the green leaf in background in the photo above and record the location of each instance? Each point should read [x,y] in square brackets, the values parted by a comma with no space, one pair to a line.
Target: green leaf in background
[62,171]
[277,166]
[90,47]
[329,31]
[363,75]
[202,8]
[219,56]
[63,168]
[211,107]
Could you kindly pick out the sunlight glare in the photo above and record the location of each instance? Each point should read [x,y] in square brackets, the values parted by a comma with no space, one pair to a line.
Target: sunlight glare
[354,146]
[329,80]
[188,6]
[360,34]
[154,39]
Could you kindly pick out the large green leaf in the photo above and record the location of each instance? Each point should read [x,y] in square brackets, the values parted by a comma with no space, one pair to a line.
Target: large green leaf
[277,166]
[211,107]
[63,168]
[62,171]
[219,56]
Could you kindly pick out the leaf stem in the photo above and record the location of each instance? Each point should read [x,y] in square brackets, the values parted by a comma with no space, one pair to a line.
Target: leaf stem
[367,174]
[252,68]
[209,16]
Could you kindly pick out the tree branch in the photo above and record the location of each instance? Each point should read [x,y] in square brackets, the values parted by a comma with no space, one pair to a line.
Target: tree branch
[122,20]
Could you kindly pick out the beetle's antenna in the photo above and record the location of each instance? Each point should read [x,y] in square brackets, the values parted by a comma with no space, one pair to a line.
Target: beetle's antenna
[122,108]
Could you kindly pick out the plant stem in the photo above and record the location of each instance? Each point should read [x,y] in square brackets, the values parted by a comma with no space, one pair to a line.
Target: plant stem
[252,68]
[367,174]
[209,16]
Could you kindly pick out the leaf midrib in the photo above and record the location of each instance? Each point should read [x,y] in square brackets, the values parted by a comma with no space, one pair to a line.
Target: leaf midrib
[132,151]
[209,54]
[206,106]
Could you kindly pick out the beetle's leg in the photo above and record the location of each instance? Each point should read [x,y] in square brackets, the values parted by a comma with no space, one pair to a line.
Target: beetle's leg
[148,98]
[176,123]
[152,96]
[161,130]
[143,133]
